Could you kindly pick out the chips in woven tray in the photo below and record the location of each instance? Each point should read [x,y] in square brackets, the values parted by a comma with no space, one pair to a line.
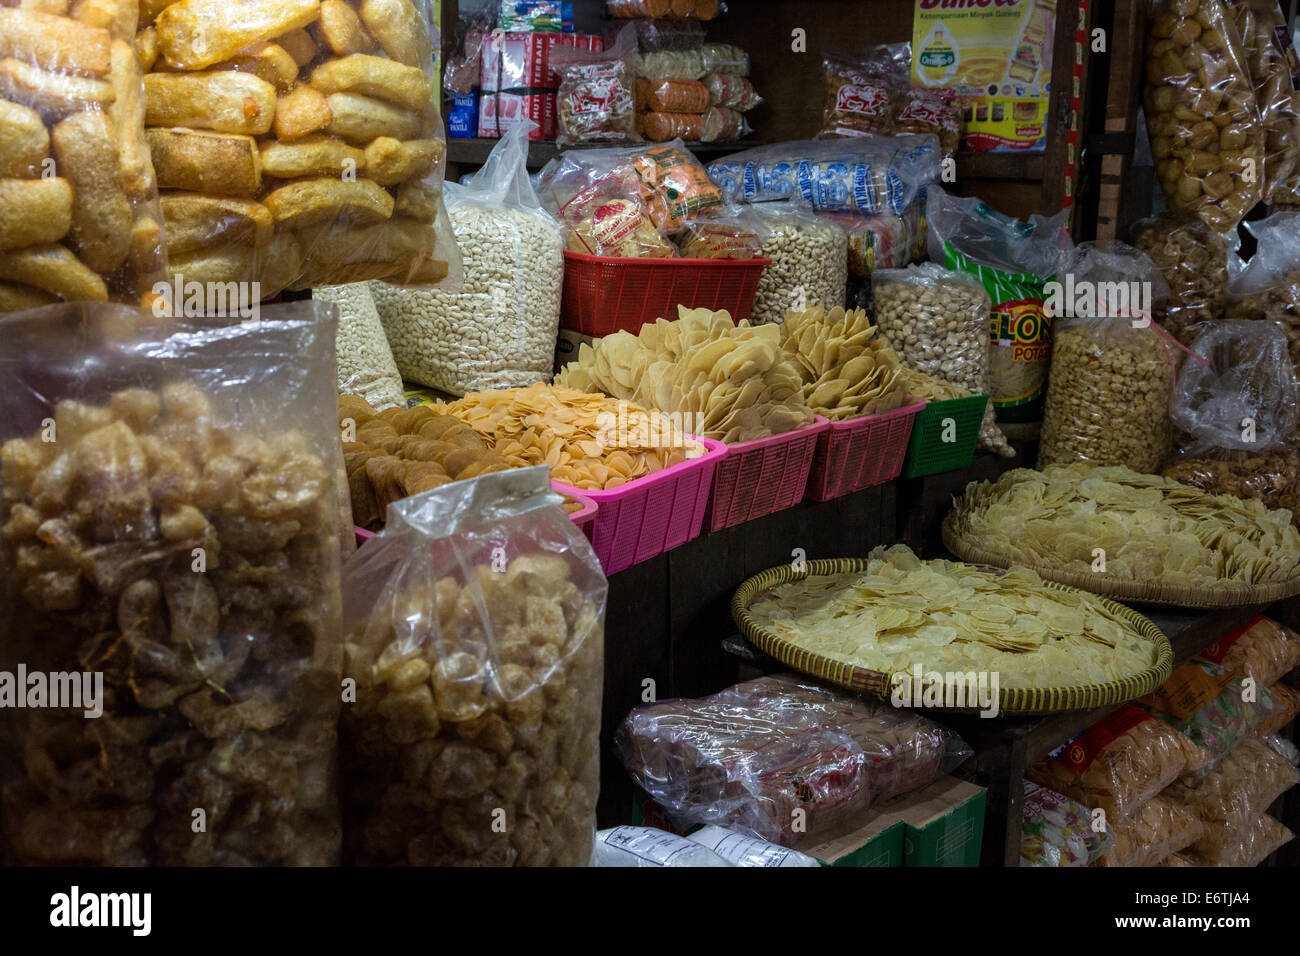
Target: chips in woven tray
[945,617]
[404,451]
[1158,830]
[1120,762]
[589,441]
[847,369]
[1153,530]
[931,389]
[727,381]
[1264,651]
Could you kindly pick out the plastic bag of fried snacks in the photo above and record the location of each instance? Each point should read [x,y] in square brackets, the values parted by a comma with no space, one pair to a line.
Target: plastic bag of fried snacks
[475,625]
[79,217]
[297,142]
[1159,829]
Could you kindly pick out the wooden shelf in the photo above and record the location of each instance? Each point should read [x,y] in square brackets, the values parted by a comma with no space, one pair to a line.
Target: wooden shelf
[1026,166]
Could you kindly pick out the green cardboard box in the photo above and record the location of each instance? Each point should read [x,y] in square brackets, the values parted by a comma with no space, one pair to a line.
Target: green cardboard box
[943,823]
[879,843]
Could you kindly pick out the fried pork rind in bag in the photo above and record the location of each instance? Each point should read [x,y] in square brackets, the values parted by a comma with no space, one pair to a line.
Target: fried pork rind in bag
[1252,846]
[1193,260]
[1159,829]
[1232,796]
[1270,74]
[299,144]
[79,217]
[171,521]
[1206,134]
[1126,772]
[1056,831]
[475,625]
[750,755]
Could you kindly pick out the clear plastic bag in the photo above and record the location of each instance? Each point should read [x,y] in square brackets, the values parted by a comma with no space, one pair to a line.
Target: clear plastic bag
[741,849]
[1056,831]
[1284,748]
[596,100]
[1159,829]
[732,91]
[676,9]
[725,58]
[498,329]
[1251,846]
[885,241]
[1014,260]
[685,64]
[930,111]
[1120,763]
[1111,378]
[1193,260]
[750,755]
[648,848]
[475,625]
[1223,722]
[1267,288]
[654,35]
[730,233]
[1286,707]
[1206,134]
[809,262]
[672,96]
[870,174]
[179,537]
[721,125]
[298,143]
[79,216]
[1258,22]
[366,365]
[860,94]
[938,321]
[662,127]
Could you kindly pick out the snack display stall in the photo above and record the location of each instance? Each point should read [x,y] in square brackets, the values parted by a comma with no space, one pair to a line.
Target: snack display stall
[647,433]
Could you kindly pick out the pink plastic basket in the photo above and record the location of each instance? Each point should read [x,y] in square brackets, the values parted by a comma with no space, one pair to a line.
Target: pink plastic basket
[582,517]
[762,476]
[860,453]
[653,514]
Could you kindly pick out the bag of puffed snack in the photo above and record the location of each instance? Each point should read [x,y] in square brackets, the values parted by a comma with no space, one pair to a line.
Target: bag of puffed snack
[1119,763]
[1159,829]
[674,186]
[1193,260]
[731,233]
[600,200]
[1261,26]
[1267,287]
[173,523]
[860,93]
[1218,725]
[79,217]
[1264,650]
[596,100]
[298,143]
[474,628]
[1252,846]
[1057,831]
[718,124]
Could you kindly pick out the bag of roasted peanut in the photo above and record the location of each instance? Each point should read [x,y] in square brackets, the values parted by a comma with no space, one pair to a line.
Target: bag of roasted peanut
[475,637]
[173,525]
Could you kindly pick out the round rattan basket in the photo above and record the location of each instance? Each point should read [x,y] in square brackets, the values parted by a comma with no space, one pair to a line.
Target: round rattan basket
[1136,592]
[1011,701]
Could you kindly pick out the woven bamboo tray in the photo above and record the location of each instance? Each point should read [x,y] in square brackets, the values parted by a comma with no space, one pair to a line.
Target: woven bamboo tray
[1011,701]
[1135,592]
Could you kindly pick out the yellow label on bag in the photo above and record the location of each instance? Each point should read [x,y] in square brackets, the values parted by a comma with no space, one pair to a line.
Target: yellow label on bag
[998,53]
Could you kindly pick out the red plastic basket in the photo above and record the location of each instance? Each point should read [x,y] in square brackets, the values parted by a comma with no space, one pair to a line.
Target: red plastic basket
[603,294]
[762,476]
[860,453]
[651,515]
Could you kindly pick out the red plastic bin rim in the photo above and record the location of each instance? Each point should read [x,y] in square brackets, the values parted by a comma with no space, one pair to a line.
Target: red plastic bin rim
[579,517]
[668,262]
[754,444]
[715,451]
[850,423]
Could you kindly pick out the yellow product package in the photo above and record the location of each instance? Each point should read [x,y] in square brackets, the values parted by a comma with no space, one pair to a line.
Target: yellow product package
[999,56]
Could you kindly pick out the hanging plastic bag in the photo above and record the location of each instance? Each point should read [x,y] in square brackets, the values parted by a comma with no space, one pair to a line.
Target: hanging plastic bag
[475,634]
[1259,23]
[1268,286]
[366,365]
[499,329]
[1014,260]
[1193,261]
[172,526]
[1112,368]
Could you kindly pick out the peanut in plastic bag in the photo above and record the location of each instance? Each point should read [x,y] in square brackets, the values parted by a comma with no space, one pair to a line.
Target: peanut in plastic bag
[366,365]
[475,625]
[179,535]
[79,217]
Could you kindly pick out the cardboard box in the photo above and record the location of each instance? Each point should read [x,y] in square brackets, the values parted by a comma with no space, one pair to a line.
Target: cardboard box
[519,62]
[943,823]
[499,113]
[878,843]
[566,347]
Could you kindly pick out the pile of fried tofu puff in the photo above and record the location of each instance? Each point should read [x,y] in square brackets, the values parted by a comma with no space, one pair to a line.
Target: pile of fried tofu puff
[294,142]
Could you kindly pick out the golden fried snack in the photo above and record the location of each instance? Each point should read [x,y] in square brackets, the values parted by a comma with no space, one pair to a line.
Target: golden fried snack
[56,270]
[268,61]
[397,25]
[34,210]
[340,29]
[24,142]
[85,151]
[300,112]
[15,298]
[57,7]
[105,14]
[225,101]
[205,162]
[430,270]
[392,243]
[146,44]
[193,34]
[404,86]
[418,200]
[312,156]
[359,119]
[299,45]
[54,43]
[279,264]
[126,114]
[146,246]
[390,161]
[53,95]
[195,220]
[231,262]
[149,10]
[310,201]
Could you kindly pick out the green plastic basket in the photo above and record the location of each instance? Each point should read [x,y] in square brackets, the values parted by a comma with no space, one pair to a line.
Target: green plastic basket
[928,453]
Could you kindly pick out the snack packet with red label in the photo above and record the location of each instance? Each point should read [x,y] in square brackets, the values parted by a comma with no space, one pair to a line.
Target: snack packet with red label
[597,96]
